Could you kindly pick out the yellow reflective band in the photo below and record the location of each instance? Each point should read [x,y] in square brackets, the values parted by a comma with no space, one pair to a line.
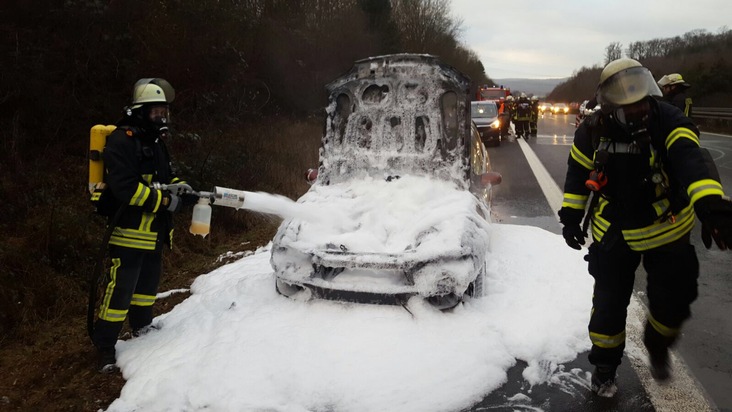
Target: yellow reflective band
[95,196]
[146,221]
[678,133]
[140,196]
[661,206]
[660,234]
[607,341]
[574,201]
[662,329]
[580,158]
[142,300]
[704,187]
[147,179]
[134,233]
[131,243]
[104,308]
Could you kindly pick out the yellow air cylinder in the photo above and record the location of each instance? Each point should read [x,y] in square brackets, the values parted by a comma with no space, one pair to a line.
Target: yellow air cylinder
[97,140]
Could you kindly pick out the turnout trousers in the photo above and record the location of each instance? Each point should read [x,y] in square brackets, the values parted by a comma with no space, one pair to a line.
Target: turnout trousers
[672,271]
[131,286]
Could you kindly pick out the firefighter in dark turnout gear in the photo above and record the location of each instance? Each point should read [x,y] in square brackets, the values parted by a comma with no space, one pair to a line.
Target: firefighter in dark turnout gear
[674,88]
[534,122]
[522,115]
[640,160]
[137,163]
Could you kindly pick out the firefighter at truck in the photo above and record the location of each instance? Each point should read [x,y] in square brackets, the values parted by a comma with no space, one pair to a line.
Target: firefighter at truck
[534,122]
[522,116]
[641,161]
[136,160]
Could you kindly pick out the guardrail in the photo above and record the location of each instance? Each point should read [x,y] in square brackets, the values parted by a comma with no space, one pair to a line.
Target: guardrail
[712,112]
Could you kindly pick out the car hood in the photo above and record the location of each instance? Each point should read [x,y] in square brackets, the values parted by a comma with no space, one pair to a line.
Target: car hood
[483,121]
[401,221]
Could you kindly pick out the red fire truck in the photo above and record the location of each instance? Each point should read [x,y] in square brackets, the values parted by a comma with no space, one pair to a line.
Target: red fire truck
[494,93]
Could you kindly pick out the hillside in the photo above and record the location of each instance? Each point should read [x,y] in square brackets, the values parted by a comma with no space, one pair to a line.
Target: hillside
[539,87]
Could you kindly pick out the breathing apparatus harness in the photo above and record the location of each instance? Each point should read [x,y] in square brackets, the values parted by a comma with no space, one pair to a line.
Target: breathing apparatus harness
[640,144]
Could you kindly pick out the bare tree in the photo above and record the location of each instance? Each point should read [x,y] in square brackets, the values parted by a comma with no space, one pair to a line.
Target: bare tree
[613,51]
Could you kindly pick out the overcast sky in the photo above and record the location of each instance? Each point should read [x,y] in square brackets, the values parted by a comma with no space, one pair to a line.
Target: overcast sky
[533,39]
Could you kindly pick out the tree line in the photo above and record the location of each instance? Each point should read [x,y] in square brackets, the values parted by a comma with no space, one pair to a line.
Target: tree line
[704,60]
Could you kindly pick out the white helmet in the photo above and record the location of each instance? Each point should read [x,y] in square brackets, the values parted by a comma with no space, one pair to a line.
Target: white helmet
[152,90]
[534,98]
[509,98]
[625,81]
[523,95]
[671,79]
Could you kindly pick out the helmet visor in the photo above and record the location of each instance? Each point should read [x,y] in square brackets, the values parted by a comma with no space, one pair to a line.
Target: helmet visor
[627,86]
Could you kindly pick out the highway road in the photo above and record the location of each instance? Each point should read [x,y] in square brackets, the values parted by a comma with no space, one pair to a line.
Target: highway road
[532,172]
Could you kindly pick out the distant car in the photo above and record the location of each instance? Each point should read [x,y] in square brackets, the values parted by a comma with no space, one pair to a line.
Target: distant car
[395,124]
[574,107]
[485,116]
[545,107]
[560,108]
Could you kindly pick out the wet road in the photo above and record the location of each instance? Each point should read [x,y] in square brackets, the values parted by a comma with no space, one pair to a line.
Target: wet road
[706,345]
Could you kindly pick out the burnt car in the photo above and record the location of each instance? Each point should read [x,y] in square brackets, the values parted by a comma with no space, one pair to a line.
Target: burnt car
[485,116]
[403,186]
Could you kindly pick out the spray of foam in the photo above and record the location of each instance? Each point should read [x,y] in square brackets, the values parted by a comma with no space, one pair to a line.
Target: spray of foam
[281,206]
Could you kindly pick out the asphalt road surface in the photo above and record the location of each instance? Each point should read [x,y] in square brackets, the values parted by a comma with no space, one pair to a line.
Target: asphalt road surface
[533,170]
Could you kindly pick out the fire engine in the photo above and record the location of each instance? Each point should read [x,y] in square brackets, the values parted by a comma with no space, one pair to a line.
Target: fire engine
[493,94]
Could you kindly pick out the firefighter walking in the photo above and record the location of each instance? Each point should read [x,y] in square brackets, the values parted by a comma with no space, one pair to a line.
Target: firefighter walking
[640,161]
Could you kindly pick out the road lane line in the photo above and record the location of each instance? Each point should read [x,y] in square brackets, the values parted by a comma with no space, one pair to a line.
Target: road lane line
[682,392]
[551,190]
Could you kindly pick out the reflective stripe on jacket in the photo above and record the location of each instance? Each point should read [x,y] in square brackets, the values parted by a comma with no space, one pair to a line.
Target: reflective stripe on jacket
[649,213]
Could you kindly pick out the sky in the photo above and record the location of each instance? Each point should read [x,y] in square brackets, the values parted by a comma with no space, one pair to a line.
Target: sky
[235,344]
[544,39]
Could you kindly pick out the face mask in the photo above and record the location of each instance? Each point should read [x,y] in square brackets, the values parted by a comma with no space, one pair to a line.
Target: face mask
[159,118]
[634,120]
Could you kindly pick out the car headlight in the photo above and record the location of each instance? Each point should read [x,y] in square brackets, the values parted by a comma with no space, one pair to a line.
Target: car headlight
[496,124]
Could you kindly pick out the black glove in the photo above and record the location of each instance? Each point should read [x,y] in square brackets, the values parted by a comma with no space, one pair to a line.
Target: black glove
[574,236]
[715,213]
[572,232]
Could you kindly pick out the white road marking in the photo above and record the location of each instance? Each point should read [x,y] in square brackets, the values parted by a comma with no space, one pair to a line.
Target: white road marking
[682,392]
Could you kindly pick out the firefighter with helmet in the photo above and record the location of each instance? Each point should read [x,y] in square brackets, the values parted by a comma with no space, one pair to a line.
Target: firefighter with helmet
[674,88]
[534,121]
[137,163]
[522,116]
[640,160]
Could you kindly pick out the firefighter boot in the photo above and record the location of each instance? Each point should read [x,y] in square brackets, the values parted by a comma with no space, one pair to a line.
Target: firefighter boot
[657,346]
[107,360]
[603,381]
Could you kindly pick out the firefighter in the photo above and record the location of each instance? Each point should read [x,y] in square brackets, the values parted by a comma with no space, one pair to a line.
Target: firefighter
[522,116]
[533,122]
[674,88]
[640,160]
[511,109]
[137,163]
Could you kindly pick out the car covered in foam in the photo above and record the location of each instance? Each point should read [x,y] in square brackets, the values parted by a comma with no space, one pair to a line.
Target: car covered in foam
[402,191]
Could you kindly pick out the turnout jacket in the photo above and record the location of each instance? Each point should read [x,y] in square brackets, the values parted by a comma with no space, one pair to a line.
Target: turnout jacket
[651,188]
[134,160]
